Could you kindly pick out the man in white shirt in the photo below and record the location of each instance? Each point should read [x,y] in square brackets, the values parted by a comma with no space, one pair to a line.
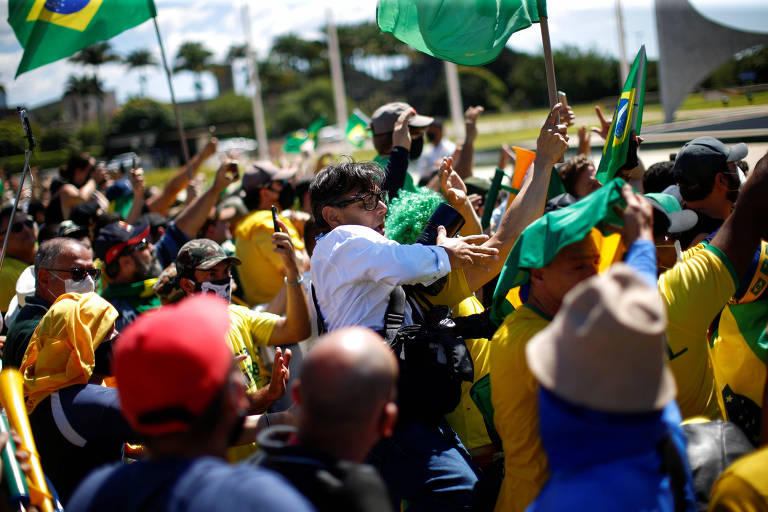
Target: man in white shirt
[354,269]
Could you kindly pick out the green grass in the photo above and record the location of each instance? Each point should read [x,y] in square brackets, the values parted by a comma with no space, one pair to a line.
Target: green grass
[159,176]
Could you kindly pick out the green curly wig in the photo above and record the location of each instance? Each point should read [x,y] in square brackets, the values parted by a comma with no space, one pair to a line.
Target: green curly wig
[408,214]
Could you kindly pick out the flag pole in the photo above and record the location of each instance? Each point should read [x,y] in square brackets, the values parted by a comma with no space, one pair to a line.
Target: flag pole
[179,125]
[454,99]
[549,64]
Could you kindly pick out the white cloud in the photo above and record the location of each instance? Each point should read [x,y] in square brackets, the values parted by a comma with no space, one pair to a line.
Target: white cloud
[218,24]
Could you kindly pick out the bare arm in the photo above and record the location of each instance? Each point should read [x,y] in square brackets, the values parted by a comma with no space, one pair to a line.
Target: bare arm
[161,202]
[137,181]
[192,218]
[740,235]
[294,326]
[528,205]
[455,192]
[466,156]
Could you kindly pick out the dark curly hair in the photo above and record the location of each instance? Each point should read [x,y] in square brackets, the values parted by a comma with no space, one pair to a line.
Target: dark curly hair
[338,179]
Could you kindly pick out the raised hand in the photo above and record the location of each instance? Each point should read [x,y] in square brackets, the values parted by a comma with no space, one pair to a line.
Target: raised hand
[466,251]
[401,136]
[604,125]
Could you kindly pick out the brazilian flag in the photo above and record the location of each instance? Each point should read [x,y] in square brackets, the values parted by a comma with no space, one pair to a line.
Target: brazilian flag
[628,117]
[357,128]
[295,140]
[467,32]
[50,30]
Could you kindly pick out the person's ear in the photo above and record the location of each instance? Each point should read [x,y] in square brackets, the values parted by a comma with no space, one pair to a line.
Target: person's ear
[43,278]
[332,216]
[388,419]
[187,285]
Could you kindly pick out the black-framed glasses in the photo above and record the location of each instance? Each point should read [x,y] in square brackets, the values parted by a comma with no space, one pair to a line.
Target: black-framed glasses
[370,200]
[79,273]
[17,227]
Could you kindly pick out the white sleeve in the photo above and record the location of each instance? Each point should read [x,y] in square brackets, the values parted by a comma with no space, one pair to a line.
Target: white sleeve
[370,256]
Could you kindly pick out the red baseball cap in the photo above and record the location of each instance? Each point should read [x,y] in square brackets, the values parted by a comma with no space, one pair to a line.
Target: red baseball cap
[170,363]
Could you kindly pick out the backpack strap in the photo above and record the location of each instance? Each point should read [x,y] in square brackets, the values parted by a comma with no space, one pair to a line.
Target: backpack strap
[395,315]
[321,327]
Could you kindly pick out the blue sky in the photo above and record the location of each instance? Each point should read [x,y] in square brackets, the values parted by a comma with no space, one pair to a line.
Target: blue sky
[218,23]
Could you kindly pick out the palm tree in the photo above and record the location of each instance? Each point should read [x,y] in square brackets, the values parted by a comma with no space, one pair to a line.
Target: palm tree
[140,59]
[194,57]
[96,55]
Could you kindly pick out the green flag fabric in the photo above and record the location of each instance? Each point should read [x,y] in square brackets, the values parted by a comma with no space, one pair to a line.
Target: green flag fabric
[538,245]
[357,128]
[467,32]
[50,30]
[628,117]
[297,139]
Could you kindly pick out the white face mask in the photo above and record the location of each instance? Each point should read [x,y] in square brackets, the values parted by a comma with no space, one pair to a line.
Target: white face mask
[220,289]
[85,285]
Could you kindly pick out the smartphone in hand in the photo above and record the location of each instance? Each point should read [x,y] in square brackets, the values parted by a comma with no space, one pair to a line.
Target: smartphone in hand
[274,219]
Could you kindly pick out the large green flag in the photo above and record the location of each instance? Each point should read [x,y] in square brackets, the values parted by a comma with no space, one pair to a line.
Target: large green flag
[297,139]
[628,117]
[467,32]
[538,245]
[50,30]
[357,128]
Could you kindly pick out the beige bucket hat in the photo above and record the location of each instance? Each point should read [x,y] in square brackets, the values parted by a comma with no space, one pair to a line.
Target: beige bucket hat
[605,347]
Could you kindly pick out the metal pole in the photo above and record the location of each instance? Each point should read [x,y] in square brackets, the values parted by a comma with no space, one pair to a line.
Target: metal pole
[337,76]
[179,126]
[259,125]
[454,99]
[623,66]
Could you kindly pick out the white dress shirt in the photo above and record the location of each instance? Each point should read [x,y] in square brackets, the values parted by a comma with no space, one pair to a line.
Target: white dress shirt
[354,269]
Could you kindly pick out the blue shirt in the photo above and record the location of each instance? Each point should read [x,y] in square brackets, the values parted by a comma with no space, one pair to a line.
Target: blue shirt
[186,485]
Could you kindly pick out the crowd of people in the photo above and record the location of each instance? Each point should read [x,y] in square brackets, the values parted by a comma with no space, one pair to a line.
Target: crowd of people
[349,335]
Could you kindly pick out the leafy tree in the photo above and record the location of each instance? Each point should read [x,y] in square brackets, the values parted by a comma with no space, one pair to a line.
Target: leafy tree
[140,60]
[142,115]
[81,87]
[195,58]
[55,138]
[11,137]
[297,109]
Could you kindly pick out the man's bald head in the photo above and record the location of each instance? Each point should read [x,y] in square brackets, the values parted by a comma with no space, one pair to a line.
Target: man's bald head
[347,378]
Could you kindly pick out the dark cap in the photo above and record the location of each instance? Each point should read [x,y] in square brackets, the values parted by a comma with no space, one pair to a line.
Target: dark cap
[260,174]
[115,237]
[668,217]
[69,229]
[384,118]
[201,254]
[701,159]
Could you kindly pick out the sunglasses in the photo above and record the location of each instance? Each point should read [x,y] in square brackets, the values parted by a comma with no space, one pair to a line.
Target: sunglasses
[143,244]
[370,200]
[79,273]
[17,227]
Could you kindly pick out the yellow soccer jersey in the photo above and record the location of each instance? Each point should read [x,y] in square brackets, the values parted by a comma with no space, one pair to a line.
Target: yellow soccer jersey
[516,410]
[261,273]
[247,331]
[742,487]
[12,269]
[694,291]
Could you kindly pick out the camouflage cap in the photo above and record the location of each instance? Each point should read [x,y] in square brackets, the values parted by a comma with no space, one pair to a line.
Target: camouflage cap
[201,254]
[167,286]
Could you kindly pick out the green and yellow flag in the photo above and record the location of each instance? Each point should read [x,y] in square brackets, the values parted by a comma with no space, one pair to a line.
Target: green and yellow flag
[50,30]
[294,141]
[467,32]
[538,245]
[628,117]
[357,128]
